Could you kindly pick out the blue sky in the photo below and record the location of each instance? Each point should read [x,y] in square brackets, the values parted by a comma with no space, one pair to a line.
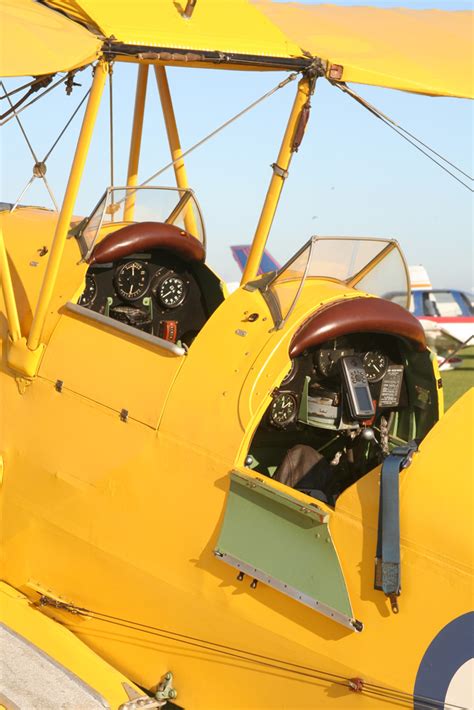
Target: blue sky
[352,175]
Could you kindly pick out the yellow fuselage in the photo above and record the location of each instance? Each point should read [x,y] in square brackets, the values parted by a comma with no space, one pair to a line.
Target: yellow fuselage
[123,517]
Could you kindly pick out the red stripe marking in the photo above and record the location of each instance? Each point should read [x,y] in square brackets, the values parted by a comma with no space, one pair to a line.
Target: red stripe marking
[451,319]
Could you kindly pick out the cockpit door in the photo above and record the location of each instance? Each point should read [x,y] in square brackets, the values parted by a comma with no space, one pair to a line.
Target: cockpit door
[112,364]
[272,535]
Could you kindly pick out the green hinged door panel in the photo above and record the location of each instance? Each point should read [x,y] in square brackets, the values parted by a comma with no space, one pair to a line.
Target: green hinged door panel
[276,539]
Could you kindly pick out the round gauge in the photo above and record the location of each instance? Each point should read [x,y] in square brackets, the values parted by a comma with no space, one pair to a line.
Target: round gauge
[375,365]
[326,360]
[283,409]
[131,280]
[90,292]
[171,292]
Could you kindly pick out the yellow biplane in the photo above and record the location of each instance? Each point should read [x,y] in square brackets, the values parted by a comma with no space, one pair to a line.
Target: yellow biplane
[224,501]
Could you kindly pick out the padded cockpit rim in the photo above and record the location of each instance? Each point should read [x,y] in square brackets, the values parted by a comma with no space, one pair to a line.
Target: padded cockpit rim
[143,236]
[357,315]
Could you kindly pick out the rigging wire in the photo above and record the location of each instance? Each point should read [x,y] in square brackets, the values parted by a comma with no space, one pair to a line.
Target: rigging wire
[40,166]
[30,103]
[406,135]
[39,170]
[217,130]
[20,88]
[382,692]
[67,125]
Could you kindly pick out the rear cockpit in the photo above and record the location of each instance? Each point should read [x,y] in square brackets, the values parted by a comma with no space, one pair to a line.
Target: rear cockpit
[361,380]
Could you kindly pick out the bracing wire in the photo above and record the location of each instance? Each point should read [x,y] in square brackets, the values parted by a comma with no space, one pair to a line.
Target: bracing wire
[409,137]
[378,691]
[220,128]
[30,103]
[32,151]
[76,110]
[19,88]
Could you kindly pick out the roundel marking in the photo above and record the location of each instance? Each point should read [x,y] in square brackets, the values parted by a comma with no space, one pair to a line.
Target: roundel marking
[451,649]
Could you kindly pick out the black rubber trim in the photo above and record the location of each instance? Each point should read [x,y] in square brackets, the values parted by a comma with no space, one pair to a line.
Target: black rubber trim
[111,50]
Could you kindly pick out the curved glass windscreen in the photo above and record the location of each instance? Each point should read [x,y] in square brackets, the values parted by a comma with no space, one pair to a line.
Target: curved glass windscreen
[125,205]
[374,266]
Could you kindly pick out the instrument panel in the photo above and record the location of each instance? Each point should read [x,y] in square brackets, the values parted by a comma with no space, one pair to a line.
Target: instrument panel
[340,385]
[155,292]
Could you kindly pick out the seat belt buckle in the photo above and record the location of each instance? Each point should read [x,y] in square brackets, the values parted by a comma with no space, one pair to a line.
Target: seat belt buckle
[405,452]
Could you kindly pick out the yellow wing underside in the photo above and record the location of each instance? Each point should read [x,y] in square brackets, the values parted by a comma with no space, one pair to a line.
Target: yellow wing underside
[422,51]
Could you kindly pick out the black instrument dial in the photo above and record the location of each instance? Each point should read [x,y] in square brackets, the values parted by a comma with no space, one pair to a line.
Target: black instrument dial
[171,292]
[375,365]
[132,280]
[90,292]
[327,359]
[283,410]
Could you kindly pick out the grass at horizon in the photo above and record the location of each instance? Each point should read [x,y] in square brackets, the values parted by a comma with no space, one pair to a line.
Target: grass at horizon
[457,382]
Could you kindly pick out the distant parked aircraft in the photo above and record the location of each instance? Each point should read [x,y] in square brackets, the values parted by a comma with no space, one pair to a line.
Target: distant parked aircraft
[447,315]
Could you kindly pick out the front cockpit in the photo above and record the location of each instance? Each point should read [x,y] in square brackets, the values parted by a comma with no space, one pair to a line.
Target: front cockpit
[146,250]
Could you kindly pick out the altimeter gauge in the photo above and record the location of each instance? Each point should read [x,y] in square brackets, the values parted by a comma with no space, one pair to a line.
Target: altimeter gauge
[375,365]
[283,409]
[171,292]
[89,294]
[132,280]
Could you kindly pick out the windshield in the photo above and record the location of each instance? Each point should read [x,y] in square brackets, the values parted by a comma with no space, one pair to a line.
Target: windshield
[374,266]
[125,205]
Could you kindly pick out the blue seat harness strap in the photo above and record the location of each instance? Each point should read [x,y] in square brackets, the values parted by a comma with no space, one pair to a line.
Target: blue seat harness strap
[387,562]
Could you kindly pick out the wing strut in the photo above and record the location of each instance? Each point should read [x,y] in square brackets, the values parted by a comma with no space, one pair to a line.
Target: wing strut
[291,141]
[64,220]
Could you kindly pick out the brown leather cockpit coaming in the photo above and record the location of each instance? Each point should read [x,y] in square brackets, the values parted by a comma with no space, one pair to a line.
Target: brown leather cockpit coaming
[357,315]
[144,236]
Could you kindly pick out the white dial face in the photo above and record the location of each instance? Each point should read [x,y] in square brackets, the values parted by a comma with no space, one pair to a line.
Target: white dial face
[131,280]
[375,365]
[171,292]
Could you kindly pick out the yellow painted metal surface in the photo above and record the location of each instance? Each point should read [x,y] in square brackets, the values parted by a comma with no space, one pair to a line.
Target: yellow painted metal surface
[235,26]
[8,293]
[136,139]
[121,518]
[18,614]
[276,183]
[65,216]
[424,51]
[28,234]
[118,371]
[174,143]
[54,42]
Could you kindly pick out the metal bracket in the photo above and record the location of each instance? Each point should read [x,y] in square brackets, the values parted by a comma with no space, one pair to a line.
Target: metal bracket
[136,701]
[279,171]
[165,689]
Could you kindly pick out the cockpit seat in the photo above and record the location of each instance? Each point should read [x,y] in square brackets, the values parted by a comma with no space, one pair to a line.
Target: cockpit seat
[306,469]
[143,236]
[357,315]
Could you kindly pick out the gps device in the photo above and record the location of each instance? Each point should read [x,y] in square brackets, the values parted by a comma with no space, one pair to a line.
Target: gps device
[357,387]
